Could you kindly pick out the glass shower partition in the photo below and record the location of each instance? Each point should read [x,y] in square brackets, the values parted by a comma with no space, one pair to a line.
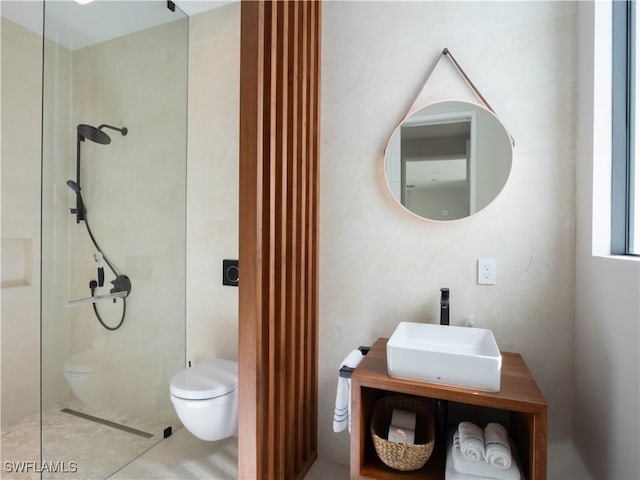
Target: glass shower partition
[113,230]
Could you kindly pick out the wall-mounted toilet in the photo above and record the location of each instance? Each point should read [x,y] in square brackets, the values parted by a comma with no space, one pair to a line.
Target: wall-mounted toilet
[205,398]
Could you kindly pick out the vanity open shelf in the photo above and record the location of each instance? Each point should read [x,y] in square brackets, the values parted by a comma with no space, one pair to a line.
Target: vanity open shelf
[519,405]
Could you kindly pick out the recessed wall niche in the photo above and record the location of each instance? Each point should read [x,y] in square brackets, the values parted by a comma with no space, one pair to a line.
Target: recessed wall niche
[17,262]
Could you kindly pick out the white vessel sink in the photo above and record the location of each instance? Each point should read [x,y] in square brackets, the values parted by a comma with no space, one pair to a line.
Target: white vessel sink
[459,356]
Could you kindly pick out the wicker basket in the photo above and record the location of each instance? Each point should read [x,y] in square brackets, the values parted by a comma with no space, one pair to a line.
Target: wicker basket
[402,456]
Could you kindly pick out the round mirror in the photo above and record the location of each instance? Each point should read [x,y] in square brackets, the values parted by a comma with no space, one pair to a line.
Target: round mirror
[448,160]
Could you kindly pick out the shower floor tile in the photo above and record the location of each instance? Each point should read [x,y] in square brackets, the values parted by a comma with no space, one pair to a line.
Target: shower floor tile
[99,450]
[74,447]
[96,449]
[20,443]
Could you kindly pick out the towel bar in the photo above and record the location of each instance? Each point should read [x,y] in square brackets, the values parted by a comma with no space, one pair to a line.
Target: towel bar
[346,372]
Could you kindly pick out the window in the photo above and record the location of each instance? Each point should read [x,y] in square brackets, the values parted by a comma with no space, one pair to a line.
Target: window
[625,212]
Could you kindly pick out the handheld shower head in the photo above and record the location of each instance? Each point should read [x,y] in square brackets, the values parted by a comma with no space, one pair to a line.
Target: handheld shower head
[79,211]
[73,186]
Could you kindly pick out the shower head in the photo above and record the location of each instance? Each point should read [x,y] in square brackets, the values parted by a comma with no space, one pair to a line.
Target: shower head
[97,135]
[73,186]
[94,134]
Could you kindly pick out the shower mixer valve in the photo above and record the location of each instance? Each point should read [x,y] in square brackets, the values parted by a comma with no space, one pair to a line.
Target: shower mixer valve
[121,284]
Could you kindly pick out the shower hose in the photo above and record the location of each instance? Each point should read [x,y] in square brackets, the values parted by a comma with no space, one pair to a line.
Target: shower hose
[93,284]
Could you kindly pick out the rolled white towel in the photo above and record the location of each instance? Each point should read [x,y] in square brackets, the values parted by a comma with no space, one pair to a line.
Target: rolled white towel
[467,470]
[497,451]
[471,439]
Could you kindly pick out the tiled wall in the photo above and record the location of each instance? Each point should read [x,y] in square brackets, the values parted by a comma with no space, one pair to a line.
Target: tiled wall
[20,295]
[135,194]
[212,182]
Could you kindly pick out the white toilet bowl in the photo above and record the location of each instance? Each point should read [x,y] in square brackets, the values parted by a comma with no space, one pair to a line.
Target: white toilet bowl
[85,373]
[205,398]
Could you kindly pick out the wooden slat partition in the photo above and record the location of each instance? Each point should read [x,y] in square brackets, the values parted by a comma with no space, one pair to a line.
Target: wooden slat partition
[279,188]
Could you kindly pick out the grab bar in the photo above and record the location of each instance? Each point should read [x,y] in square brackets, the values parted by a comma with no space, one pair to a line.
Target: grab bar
[97,298]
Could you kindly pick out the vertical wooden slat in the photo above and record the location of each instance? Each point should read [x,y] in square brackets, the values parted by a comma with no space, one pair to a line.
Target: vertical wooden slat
[250,308]
[308,206]
[300,454]
[269,154]
[278,238]
[291,76]
[314,131]
[280,325]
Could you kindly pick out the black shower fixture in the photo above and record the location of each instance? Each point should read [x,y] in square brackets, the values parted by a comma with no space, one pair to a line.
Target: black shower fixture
[93,134]
[79,210]
[123,130]
[121,284]
[73,186]
[96,135]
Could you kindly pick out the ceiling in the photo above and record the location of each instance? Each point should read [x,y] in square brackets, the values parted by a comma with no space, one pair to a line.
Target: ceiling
[76,26]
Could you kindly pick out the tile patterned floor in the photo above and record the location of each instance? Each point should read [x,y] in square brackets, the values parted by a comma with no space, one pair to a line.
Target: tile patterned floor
[184,457]
[20,443]
[99,450]
[73,448]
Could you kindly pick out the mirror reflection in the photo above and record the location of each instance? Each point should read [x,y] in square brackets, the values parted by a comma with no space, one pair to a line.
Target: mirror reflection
[448,160]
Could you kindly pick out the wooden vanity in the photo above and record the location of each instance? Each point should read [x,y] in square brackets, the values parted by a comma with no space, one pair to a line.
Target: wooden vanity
[519,406]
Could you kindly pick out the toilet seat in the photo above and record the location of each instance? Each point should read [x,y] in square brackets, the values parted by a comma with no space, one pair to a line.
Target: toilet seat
[207,380]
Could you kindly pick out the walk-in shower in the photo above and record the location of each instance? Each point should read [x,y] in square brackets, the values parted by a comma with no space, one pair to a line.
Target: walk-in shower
[113,229]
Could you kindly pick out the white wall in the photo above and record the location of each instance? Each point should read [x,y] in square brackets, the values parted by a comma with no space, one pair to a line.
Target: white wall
[606,411]
[58,149]
[212,181]
[21,52]
[378,265]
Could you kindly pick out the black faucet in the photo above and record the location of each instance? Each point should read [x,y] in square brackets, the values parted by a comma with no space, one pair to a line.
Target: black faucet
[442,406]
[444,306]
